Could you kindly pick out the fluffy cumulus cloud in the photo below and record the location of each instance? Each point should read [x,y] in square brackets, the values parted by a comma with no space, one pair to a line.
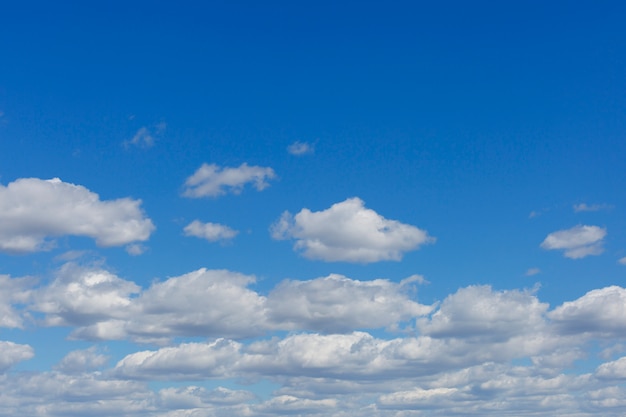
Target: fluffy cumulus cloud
[211,180]
[13,291]
[577,242]
[349,232]
[601,312]
[338,303]
[33,210]
[481,351]
[212,232]
[480,312]
[12,353]
[213,303]
[300,148]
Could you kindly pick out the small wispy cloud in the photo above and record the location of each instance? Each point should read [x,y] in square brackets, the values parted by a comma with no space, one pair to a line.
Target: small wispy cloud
[622,260]
[211,180]
[532,271]
[300,148]
[593,207]
[210,231]
[146,136]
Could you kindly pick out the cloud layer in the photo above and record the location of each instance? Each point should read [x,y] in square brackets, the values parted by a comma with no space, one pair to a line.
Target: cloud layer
[347,231]
[33,210]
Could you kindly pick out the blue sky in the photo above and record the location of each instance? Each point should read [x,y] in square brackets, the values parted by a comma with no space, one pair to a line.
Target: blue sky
[320,209]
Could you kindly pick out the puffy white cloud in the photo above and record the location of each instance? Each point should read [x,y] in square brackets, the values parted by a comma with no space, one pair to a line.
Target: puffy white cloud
[622,260]
[211,180]
[480,312]
[348,231]
[612,370]
[79,361]
[12,353]
[13,291]
[337,303]
[199,397]
[288,404]
[577,242]
[300,148]
[217,303]
[33,210]
[81,296]
[208,303]
[601,312]
[186,361]
[209,231]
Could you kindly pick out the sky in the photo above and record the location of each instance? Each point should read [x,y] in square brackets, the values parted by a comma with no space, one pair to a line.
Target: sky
[233,208]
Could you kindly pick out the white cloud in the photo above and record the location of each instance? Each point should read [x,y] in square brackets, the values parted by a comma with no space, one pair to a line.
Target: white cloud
[593,207]
[348,231]
[209,231]
[185,361]
[145,137]
[337,303]
[12,353]
[33,210]
[215,303]
[300,148]
[622,260]
[613,370]
[13,291]
[577,242]
[213,180]
[601,312]
[79,361]
[480,312]
[81,296]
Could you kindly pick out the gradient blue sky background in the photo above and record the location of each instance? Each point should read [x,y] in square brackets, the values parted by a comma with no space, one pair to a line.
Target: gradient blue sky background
[497,129]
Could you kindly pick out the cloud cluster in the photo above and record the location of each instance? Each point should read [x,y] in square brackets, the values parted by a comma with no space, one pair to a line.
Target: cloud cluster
[211,180]
[347,231]
[478,349]
[577,242]
[216,303]
[33,210]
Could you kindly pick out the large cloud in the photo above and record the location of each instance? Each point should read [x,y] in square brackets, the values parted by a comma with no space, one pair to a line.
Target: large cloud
[216,303]
[348,231]
[601,312]
[213,180]
[12,353]
[478,311]
[338,303]
[33,210]
[577,242]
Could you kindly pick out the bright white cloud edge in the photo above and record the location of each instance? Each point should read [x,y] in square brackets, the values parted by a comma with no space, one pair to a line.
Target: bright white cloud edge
[577,242]
[32,211]
[348,232]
